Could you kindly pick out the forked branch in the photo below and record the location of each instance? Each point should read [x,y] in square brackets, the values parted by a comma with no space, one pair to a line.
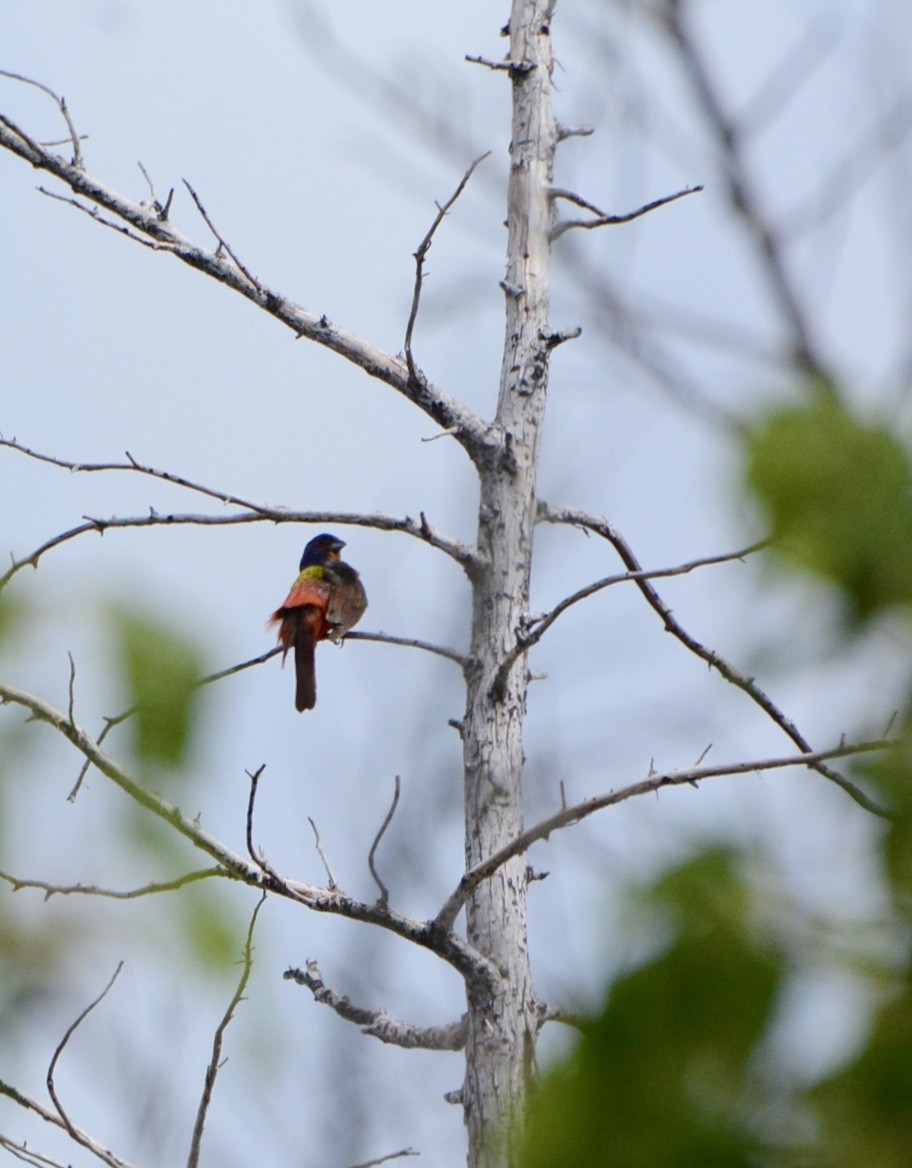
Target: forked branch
[144,221]
[655,782]
[600,526]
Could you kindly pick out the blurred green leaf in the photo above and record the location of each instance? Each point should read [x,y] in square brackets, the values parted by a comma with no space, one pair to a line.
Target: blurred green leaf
[209,922]
[837,493]
[866,1110]
[162,671]
[661,1076]
[892,773]
[12,613]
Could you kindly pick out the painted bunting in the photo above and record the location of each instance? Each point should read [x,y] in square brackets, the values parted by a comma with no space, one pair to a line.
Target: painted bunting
[326,600]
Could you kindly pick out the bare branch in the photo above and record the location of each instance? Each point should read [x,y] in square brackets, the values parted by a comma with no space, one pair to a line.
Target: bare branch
[420,255]
[49,890]
[384,891]
[222,242]
[74,1132]
[745,200]
[472,965]
[539,625]
[410,643]
[601,218]
[61,105]
[29,1104]
[318,844]
[417,528]
[215,1061]
[377,1023]
[655,782]
[601,526]
[28,1156]
[447,412]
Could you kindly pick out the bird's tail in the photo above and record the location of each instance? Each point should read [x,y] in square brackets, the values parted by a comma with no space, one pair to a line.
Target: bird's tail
[305,672]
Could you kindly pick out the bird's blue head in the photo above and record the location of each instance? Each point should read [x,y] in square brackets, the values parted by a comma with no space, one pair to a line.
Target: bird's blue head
[321,549]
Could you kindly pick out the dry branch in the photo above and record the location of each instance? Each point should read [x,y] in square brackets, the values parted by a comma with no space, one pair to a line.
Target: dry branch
[475,968]
[215,1062]
[377,1023]
[656,782]
[601,526]
[141,220]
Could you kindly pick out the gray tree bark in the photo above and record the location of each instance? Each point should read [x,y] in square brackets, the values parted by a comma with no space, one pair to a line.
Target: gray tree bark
[502,1020]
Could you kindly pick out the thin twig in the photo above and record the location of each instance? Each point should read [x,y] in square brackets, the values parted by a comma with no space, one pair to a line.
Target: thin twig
[73,1131]
[541,624]
[49,890]
[655,782]
[384,891]
[318,844]
[257,856]
[601,526]
[420,254]
[417,528]
[601,218]
[223,243]
[120,228]
[29,1104]
[28,1155]
[61,105]
[215,1061]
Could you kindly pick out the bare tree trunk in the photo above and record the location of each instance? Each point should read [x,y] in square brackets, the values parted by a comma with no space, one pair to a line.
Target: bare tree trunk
[502,1022]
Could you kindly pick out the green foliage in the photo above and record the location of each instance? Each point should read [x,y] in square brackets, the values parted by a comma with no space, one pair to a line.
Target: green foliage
[661,1077]
[667,1073]
[11,614]
[867,1108]
[162,672]
[837,493]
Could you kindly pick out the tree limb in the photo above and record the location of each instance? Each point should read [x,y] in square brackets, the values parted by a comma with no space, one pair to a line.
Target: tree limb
[474,967]
[255,512]
[469,430]
[377,1023]
[539,625]
[691,776]
[601,526]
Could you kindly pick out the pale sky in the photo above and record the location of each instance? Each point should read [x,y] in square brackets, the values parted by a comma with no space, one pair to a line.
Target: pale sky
[319,151]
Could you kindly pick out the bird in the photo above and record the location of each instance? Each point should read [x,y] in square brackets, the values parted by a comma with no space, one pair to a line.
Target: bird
[326,600]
